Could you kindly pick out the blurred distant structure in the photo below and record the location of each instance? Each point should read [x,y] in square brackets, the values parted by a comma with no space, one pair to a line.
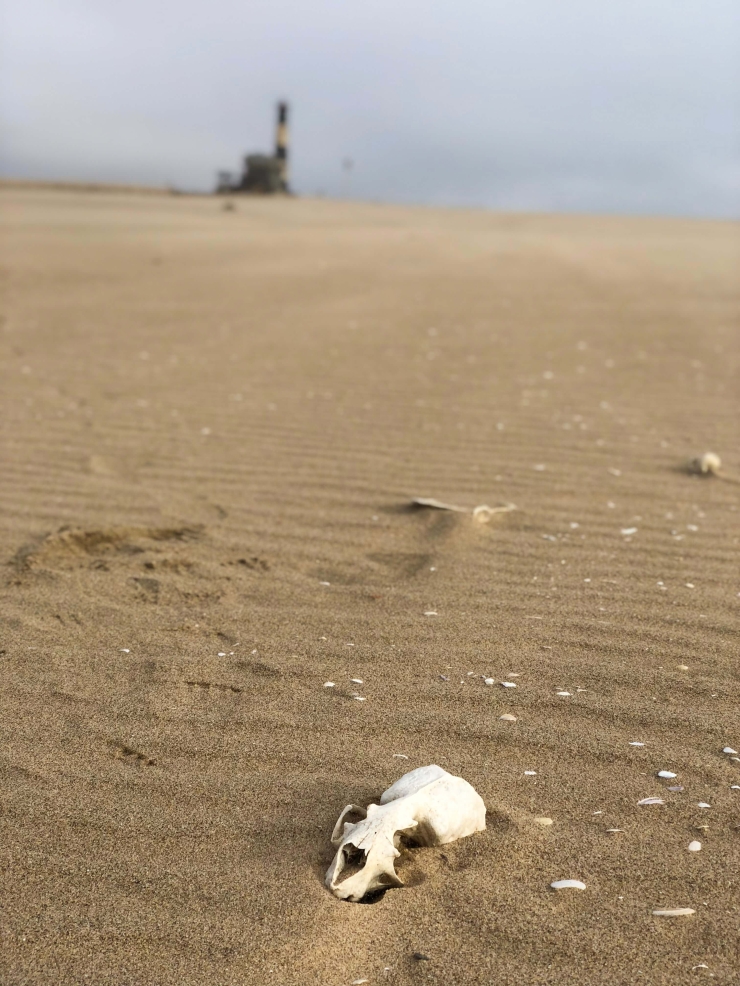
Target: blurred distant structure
[263,174]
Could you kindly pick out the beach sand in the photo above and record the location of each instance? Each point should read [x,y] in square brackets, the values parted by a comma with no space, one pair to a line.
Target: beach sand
[213,423]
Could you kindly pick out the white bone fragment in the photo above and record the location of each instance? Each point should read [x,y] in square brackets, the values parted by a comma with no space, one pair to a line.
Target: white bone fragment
[427,803]
[568,885]
[674,912]
[482,514]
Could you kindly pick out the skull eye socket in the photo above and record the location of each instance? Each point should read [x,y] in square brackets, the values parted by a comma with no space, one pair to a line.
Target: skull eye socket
[354,860]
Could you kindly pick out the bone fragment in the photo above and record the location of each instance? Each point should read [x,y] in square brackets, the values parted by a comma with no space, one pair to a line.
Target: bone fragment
[432,805]
[481,514]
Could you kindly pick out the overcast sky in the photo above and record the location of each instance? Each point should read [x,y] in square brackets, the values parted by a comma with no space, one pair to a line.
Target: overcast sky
[588,105]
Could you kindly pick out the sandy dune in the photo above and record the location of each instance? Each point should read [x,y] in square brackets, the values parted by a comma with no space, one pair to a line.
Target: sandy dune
[212,425]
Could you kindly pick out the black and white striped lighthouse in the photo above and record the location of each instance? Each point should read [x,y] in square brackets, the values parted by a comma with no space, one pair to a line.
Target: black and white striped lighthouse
[281,143]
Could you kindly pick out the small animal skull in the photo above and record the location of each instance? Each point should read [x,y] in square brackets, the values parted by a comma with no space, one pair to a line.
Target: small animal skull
[428,803]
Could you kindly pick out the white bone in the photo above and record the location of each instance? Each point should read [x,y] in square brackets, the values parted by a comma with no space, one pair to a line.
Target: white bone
[428,802]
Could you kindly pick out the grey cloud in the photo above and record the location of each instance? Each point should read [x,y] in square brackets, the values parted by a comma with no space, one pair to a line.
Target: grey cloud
[627,107]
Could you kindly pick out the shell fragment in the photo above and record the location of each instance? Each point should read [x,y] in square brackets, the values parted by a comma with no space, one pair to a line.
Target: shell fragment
[651,801]
[674,912]
[695,846]
[666,774]
[568,885]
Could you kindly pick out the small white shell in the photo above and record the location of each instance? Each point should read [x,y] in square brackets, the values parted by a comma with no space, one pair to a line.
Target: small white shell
[489,681]
[667,774]
[728,749]
[328,684]
[357,681]
[530,773]
[707,463]
[674,912]
[695,846]
[568,885]
[508,684]
[543,821]
[507,717]
[629,530]
[563,694]
[636,743]
[703,804]
[651,801]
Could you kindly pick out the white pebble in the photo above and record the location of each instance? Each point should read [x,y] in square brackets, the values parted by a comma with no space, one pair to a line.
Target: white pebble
[357,681]
[674,912]
[508,684]
[431,612]
[125,650]
[629,530]
[694,846]
[568,885]
[667,774]
[651,801]
[728,749]
[507,717]
[324,583]
[543,821]
[703,804]
[328,684]
[489,681]
[530,773]
[222,653]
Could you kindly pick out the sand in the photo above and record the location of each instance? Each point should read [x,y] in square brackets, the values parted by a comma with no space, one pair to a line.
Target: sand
[213,423]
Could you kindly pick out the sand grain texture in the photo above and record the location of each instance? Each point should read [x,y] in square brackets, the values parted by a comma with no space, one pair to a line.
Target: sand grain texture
[208,415]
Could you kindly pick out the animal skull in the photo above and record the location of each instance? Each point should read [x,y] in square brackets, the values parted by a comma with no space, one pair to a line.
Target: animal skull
[427,802]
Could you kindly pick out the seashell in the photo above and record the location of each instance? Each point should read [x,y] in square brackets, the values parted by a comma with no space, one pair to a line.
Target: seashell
[612,831]
[530,773]
[728,749]
[628,531]
[708,464]
[357,681]
[703,804]
[667,774]
[682,667]
[635,743]
[401,756]
[328,684]
[694,846]
[733,787]
[568,885]
[675,788]
[563,694]
[489,681]
[543,821]
[651,801]
[508,684]
[507,717]
[674,912]
[431,612]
